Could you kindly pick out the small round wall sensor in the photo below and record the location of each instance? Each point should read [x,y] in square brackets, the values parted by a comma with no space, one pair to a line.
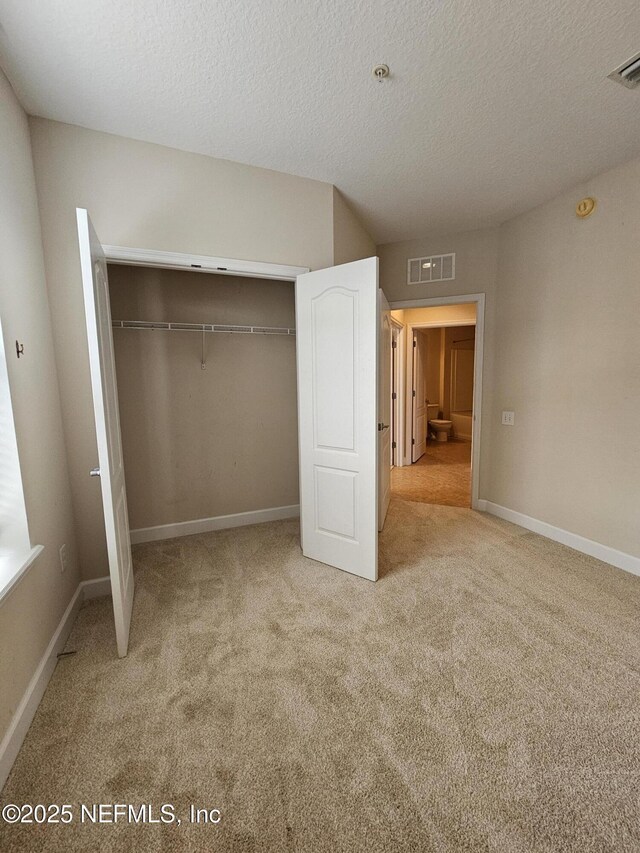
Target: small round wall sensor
[585,207]
[380,72]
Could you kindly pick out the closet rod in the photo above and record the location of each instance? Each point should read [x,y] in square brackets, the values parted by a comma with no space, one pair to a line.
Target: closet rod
[201,327]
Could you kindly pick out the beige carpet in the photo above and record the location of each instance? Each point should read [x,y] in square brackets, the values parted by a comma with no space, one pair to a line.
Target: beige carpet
[441,476]
[484,695]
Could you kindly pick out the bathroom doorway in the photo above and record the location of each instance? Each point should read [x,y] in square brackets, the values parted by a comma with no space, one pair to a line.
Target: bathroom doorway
[442,357]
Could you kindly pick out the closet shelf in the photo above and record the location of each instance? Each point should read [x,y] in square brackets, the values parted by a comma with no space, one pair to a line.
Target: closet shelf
[201,327]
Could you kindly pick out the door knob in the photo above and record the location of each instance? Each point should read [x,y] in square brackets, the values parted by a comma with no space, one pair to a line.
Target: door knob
[94,472]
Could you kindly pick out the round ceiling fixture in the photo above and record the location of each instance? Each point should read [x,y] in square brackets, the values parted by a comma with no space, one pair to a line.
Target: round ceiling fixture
[380,72]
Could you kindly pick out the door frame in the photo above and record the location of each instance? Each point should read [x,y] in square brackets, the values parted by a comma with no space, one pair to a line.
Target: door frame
[412,361]
[130,256]
[200,263]
[433,302]
[398,382]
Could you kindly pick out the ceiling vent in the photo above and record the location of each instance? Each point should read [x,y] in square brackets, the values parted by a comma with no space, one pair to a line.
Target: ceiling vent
[629,73]
[435,268]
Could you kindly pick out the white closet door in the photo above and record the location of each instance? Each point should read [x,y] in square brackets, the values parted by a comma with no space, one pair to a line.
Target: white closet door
[419,445]
[384,408]
[107,418]
[336,333]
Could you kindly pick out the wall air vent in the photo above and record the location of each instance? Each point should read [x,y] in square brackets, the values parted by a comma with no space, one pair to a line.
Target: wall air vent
[629,73]
[435,268]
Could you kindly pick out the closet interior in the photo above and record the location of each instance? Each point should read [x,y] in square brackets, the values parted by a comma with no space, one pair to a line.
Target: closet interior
[206,371]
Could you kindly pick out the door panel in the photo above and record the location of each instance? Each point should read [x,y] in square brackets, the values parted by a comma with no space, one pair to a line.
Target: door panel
[107,420]
[419,446]
[336,334]
[384,408]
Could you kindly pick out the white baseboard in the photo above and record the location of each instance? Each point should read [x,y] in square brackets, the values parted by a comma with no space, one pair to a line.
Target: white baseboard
[28,706]
[579,543]
[96,588]
[218,522]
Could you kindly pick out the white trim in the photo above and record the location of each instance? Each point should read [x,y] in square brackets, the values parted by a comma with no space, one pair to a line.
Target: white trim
[434,301]
[200,263]
[399,384]
[218,522]
[479,300]
[446,325]
[23,566]
[573,540]
[28,706]
[96,588]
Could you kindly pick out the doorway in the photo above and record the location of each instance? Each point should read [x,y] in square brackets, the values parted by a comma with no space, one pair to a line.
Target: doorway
[441,398]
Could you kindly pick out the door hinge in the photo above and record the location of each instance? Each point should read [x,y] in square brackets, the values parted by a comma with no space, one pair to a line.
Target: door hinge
[413,441]
[413,393]
[415,342]
[394,396]
[394,344]
[393,445]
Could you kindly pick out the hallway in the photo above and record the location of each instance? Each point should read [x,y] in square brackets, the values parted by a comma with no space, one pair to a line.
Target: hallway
[442,476]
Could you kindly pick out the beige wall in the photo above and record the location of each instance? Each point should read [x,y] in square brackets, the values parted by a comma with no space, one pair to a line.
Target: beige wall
[562,349]
[351,242]
[32,610]
[149,196]
[476,265]
[202,443]
[568,364]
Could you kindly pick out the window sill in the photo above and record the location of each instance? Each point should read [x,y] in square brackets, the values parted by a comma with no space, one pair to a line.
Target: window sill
[13,566]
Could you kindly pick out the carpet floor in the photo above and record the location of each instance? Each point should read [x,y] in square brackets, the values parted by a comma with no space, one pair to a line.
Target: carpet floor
[441,476]
[484,695]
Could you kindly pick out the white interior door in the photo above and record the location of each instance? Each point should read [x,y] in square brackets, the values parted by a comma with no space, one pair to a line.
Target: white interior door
[384,407]
[419,443]
[336,335]
[105,406]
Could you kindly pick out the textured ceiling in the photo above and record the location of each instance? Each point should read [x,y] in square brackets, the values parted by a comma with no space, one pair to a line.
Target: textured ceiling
[493,106]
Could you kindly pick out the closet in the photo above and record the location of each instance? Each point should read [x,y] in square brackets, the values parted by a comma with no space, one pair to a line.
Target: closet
[206,372]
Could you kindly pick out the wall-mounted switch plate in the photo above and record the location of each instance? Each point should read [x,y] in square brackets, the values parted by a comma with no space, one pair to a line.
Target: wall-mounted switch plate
[63,558]
[508,418]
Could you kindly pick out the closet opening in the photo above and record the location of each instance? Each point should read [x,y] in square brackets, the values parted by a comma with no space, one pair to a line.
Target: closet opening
[206,373]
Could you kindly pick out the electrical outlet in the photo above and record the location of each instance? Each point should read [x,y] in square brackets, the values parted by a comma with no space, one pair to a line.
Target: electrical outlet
[63,558]
[508,418]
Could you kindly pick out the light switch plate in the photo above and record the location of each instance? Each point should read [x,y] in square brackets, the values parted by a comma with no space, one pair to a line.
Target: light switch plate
[508,418]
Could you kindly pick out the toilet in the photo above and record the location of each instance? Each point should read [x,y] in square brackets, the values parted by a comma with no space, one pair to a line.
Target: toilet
[441,428]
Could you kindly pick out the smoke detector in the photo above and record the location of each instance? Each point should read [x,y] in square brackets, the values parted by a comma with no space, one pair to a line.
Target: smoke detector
[628,73]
